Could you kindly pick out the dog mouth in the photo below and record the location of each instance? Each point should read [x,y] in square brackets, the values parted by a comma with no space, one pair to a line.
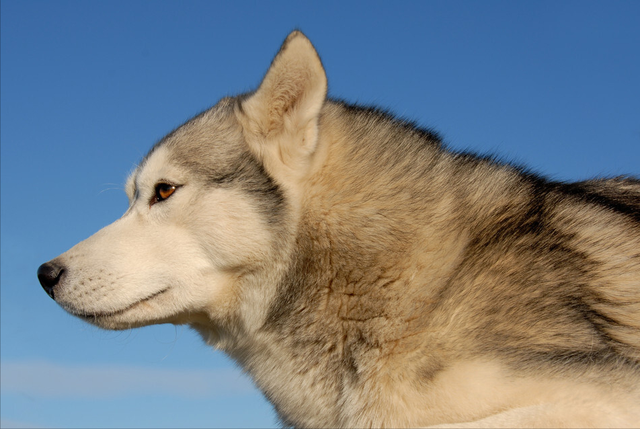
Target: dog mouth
[106,314]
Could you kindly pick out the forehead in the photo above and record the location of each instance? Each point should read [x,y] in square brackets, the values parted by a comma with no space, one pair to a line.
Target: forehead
[156,166]
[209,143]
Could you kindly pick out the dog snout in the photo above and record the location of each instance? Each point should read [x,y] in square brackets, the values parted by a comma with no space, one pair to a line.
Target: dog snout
[49,275]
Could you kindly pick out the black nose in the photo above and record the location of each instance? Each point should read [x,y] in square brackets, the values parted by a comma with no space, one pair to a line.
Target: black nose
[49,275]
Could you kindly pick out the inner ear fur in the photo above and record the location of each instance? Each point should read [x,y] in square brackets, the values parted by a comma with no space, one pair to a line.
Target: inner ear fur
[281,117]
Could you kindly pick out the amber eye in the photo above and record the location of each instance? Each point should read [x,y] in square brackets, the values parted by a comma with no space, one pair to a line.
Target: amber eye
[164,191]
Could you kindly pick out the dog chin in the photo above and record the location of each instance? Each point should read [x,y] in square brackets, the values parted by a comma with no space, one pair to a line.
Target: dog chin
[115,323]
[123,321]
[138,314]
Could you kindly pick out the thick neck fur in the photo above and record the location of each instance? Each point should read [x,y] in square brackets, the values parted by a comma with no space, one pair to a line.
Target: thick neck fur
[363,316]
[346,309]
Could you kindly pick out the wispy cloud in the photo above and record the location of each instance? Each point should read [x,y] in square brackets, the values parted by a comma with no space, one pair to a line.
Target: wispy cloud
[46,379]
[14,424]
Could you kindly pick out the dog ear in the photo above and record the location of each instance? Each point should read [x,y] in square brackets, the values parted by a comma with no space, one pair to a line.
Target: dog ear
[281,118]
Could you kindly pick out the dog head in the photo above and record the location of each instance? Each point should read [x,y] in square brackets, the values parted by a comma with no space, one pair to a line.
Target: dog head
[212,214]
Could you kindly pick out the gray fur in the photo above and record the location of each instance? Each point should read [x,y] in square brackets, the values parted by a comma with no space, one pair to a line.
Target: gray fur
[375,278]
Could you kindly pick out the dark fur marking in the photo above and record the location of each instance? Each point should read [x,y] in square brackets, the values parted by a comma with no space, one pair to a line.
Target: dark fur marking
[427,373]
[293,290]
[169,135]
[255,180]
[558,360]
[600,193]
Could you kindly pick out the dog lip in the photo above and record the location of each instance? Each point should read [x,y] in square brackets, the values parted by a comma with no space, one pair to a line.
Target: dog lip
[86,315]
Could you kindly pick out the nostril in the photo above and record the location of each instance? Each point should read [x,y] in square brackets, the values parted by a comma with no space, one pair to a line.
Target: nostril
[49,275]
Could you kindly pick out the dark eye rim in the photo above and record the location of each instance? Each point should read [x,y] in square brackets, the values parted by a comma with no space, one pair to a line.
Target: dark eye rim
[160,188]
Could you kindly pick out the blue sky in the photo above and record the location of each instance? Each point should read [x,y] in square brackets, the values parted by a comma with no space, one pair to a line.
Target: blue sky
[88,87]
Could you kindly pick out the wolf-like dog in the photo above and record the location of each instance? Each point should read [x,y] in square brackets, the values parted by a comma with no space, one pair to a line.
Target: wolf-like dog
[366,276]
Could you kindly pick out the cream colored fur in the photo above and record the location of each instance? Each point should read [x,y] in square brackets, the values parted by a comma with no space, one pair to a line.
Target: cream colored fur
[330,252]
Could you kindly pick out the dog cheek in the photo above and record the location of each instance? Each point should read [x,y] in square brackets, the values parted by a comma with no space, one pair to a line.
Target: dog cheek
[230,231]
